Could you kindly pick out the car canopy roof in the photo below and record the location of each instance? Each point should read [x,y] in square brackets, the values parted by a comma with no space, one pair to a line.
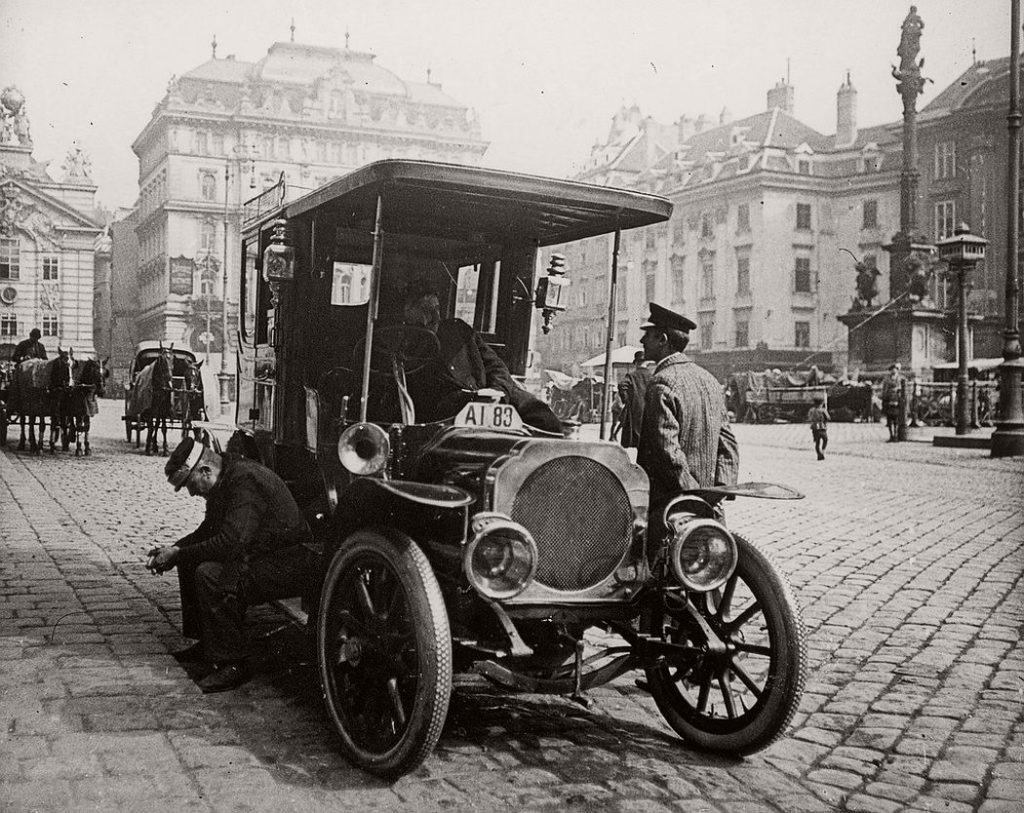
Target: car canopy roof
[474,204]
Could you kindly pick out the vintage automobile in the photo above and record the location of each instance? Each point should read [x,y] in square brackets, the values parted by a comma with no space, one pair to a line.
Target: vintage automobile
[450,535]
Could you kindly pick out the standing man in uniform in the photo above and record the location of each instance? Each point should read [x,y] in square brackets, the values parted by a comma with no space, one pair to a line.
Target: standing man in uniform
[685,439]
[249,549]
[633,391]
[891,387]
[30,348]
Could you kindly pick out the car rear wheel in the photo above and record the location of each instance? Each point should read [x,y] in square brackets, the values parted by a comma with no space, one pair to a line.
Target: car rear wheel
[384,652]
[740,700]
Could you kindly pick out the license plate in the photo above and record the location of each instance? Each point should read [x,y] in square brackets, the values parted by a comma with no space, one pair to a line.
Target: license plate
[489,416]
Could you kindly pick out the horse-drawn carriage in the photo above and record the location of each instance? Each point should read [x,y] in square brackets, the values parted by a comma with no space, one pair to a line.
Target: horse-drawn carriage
[774,395]
[61,390]
[165,391]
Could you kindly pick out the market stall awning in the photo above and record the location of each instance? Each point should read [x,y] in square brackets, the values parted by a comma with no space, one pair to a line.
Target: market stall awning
[621,355]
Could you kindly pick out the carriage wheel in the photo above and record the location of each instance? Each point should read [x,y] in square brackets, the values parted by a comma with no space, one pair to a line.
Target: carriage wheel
[384,651]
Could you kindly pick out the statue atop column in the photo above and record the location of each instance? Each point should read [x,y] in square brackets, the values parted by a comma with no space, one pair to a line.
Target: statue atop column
[14,126]
[77,166]
[908,74]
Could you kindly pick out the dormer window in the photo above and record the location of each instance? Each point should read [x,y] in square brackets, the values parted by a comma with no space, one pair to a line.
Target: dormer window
[803,166]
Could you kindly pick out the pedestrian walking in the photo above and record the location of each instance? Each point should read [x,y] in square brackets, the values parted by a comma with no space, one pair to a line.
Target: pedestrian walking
[685,439]
[891,388]
[818,417]
[633,391]
[249,549]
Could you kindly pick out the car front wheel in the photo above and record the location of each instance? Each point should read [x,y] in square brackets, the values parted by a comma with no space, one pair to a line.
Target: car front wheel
[384,652]
[740,698]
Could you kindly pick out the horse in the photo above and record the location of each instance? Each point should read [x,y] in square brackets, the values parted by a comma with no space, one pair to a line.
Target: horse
[153,387]
[80,402]
[194,406]
[36,395]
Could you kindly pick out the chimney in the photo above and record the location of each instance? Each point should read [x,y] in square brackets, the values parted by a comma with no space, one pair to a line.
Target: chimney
[781,96]
[702,122]
[725,116]
[686,127]
[846,113]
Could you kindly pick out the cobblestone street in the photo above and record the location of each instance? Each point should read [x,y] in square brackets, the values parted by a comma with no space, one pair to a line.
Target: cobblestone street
[906,558]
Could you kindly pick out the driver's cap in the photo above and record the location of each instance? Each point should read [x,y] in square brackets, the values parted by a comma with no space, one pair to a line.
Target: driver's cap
[183,461]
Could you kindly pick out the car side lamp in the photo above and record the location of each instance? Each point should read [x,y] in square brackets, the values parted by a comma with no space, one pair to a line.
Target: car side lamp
[552,290]
[279,256]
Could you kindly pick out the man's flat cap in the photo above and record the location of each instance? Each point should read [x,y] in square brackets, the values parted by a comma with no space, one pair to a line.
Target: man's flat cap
[664,318]
[183,461]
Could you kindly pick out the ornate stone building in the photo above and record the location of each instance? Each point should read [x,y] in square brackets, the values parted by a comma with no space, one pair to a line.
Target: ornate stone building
[770,217]
[228,128]
[48,230]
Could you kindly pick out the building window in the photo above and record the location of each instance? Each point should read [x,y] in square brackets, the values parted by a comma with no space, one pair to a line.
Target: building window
[678,276]
[802,275]
[321,152]
[870,214]
[707,231]
[51,266]
[266,147]
[742,333]
[945,219]
[649,287]
[202,143]
[8,324]
[679,232]
[218,144]
[207,237]
[707,280]
[284,148]
[208,186]
[10,259]
[51,325]
[803,216]
[945,159]
[620,296]
[743,275]
[803,167]
[743,217]
[208,282]
[802,334]
[706,327]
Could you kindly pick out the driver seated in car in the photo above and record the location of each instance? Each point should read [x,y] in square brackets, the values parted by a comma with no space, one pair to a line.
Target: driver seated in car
[470,363]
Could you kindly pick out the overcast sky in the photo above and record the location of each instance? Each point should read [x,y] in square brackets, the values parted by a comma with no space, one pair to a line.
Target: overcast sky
[545,76]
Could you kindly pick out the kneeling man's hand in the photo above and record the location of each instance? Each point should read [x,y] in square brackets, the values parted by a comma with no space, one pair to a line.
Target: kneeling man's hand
[162,559]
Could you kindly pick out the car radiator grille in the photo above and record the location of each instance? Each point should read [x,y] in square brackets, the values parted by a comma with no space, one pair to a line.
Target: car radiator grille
[581,518]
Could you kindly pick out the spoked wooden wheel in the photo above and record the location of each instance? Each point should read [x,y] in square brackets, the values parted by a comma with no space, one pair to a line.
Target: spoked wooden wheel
[737,700]
[384,651]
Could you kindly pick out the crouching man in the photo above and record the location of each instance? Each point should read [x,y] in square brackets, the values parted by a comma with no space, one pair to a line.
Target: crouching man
[249,549]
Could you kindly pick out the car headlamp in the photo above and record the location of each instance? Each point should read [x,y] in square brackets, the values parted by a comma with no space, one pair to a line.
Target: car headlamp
[500,559]
[702,553]
[364,448]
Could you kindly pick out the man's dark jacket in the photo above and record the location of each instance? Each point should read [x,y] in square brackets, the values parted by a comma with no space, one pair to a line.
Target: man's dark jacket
[29,349]
[471,363]
[633,392]
[249,513]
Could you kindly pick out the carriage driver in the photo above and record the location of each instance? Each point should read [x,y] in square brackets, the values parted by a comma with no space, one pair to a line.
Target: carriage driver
[249,549]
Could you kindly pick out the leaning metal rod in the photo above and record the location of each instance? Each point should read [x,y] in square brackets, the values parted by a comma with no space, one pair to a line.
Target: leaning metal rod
[610,331]
[371,310]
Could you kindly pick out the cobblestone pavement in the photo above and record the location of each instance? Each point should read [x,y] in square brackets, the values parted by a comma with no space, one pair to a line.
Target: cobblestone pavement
[907,560]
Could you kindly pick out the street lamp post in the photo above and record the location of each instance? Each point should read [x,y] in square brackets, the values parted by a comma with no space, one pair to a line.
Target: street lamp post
[963,251]
[1008,438]
[241,155]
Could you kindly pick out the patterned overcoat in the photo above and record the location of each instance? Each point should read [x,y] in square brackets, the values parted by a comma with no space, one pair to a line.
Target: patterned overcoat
[685,440]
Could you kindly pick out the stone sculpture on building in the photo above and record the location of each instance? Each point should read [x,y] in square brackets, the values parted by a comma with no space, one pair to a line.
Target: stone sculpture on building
[14,126]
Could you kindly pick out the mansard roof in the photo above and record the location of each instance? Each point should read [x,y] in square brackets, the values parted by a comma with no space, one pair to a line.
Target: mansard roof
[298,64]
[972,87]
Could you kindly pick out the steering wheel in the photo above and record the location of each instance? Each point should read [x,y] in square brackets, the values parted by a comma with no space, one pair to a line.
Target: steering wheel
[416,346]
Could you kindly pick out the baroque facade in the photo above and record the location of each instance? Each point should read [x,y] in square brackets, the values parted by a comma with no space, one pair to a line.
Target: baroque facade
[770,218]
[228,128]
[48,231]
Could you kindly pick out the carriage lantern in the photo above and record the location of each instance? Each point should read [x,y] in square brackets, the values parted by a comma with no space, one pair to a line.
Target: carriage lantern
[551,290]
[279,256]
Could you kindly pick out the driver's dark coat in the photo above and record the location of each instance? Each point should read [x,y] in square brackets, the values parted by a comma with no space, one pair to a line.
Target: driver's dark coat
[29,349]
[471,363]
[249,513]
